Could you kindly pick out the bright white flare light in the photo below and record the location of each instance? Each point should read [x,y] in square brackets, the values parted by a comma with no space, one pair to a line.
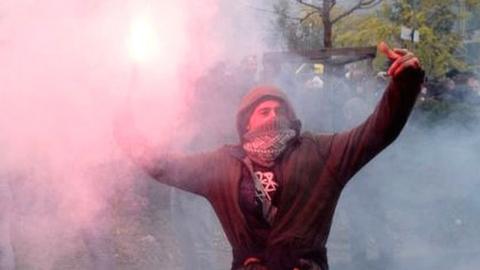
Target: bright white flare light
[143,42]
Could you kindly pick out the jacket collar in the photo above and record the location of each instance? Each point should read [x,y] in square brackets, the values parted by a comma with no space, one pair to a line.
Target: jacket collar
[236,151]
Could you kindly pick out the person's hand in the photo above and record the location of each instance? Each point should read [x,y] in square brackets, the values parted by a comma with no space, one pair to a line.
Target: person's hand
[402,60]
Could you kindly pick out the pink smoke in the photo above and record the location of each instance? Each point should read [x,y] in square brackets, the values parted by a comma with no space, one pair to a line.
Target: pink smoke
[66,70]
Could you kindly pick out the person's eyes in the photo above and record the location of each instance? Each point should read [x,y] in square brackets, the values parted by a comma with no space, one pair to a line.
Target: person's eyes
[264,112]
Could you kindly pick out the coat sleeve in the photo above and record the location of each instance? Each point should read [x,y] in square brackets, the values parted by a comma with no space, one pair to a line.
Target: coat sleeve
[192,173]
[352,149]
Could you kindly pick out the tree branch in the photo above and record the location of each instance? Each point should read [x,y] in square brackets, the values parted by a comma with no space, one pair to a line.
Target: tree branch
[276,12]
[308,16]
[319,9]
[332,4]
[362,4]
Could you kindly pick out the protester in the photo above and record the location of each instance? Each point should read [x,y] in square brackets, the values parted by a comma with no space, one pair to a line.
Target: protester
[275,193]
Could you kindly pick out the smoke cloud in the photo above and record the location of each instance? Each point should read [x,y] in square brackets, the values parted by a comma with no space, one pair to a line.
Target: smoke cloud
[72,201]
[67,67]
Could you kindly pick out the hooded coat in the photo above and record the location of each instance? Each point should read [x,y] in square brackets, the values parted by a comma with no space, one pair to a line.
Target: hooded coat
[313,170]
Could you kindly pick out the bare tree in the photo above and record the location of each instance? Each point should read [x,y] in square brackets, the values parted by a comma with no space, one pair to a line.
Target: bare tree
[324,9]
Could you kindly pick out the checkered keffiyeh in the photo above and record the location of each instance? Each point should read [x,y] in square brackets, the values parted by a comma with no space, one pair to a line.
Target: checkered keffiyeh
[264,144]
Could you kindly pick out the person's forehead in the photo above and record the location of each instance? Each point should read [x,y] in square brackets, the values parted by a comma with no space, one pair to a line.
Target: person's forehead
[269,103]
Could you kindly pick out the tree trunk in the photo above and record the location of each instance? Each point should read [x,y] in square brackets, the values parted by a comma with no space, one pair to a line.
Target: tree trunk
[327,24]
[327,34]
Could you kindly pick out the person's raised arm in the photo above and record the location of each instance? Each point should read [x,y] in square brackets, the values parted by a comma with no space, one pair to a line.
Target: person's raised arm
[352,149]
[190,173]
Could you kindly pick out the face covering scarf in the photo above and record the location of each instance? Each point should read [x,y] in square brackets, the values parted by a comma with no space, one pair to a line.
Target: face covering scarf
[265,143]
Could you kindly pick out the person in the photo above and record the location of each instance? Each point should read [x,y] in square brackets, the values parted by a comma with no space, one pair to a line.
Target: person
[275,192]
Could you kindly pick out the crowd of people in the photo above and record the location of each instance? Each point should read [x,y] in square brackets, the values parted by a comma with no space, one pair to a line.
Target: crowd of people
[453,99]
[455,86]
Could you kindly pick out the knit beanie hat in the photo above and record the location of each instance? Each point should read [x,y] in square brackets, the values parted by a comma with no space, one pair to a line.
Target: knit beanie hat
[257,95]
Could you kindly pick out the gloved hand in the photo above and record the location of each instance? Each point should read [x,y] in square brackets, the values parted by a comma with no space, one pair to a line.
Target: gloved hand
[402,60]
